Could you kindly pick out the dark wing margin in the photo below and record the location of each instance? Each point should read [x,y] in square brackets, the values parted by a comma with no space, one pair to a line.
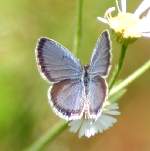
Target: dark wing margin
[101,56]
[97,95]
[56,63]
[66,99]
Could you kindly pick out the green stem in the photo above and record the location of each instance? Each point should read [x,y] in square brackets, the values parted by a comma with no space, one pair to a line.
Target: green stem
[117,4]
[130,78]
[60,127]
[48,136]
[78,33]
[118,68]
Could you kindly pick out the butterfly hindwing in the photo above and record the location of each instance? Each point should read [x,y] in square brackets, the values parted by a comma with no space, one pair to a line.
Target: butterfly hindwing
[66,98]
[97,95]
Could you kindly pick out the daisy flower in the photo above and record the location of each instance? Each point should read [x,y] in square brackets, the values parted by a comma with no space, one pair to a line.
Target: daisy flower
[129,25]
[88,127]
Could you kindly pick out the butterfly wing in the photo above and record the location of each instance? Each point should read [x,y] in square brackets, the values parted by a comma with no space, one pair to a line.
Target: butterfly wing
[98,69]
[55,62]
[66,98]
[100,60]
[96,96]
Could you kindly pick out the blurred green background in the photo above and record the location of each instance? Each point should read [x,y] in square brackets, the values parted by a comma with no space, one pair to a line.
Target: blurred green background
[24,111]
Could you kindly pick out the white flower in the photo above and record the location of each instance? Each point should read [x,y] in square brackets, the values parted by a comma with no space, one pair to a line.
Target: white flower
[88,127]
[129,25]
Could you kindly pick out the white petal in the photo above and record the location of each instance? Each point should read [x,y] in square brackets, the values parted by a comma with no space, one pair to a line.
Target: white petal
[91,131]
[142,7]
[113,106]
[101,19]
[112,112]
[108,120]
[146,35]
[103,123]
[84,128]
[144,25]
[123,6]
[109,11]
[144,30]
[100,127]
[75,125]
[88,127]
[148,15]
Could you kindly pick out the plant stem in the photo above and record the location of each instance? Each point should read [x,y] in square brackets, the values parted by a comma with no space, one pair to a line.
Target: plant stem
[60,127]
[118,68]
[130,78]
[48,136]
[78,33]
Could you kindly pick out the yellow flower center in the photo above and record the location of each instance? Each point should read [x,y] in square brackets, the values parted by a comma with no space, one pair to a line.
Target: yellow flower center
[125,24]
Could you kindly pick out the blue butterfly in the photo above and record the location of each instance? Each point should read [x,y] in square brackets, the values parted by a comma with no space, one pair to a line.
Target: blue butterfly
[78,91]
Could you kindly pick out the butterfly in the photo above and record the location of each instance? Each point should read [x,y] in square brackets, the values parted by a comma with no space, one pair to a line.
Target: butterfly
[77,91]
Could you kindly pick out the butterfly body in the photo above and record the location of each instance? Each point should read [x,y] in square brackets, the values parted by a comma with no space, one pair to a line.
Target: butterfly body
[78,91]
[86,76]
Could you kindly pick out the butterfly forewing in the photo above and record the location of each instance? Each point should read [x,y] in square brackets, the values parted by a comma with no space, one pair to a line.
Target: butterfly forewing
[56,62]
[66,97]
[100,60]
